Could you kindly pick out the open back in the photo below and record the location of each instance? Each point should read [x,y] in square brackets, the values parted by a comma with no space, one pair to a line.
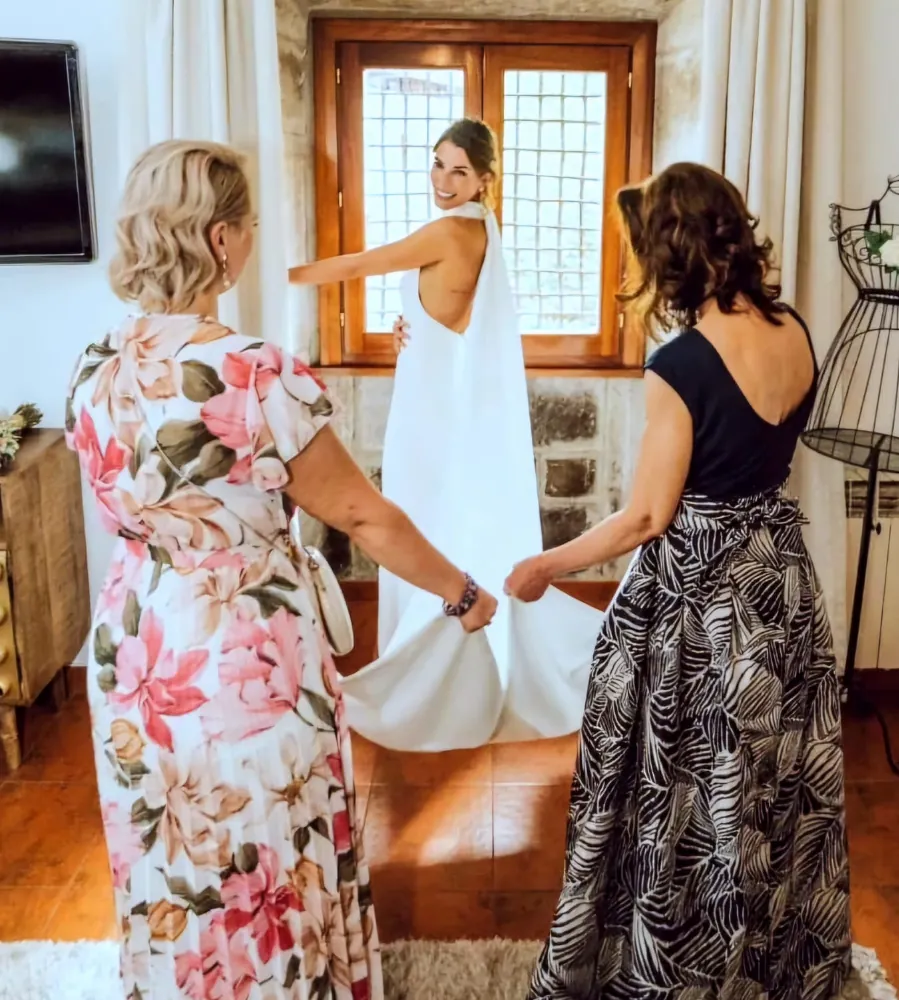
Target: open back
[736,452]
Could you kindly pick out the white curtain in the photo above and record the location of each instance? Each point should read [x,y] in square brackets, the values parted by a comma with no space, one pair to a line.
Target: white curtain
[208,69]
[770,120]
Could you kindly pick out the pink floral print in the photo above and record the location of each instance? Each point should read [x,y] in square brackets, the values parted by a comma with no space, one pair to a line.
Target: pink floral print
[155,680]
[223,758]
[124,843]
[121,577]
[102,466]
[255,900]
[225,585]
[222,970]
[261,671]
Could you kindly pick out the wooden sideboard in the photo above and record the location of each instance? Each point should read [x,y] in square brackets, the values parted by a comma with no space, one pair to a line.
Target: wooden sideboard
[44,595]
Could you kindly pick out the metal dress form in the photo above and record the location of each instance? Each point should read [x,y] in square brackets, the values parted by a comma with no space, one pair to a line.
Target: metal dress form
[856,415]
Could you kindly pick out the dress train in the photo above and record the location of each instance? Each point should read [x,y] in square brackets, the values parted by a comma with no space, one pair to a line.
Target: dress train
[459,459]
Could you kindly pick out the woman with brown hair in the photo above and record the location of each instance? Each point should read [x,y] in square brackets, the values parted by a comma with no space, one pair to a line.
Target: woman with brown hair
[706,849]
[459,458]
[223,757]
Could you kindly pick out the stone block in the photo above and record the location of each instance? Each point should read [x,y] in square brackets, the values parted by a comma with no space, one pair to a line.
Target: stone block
[680,27]
[570,477]
[292,19]
[311,531]
[677,134]
[341,390]
[563,418]
[562,524]
[373,397]
[363,567]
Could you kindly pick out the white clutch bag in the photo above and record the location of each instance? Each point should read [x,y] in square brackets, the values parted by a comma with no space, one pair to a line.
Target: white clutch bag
[332,607]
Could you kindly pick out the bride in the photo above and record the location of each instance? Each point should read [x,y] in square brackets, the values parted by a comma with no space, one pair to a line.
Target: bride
[459,460]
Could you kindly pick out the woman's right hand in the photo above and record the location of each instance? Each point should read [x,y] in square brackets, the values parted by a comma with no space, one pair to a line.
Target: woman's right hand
[481,613]
[400,335]
[329,486]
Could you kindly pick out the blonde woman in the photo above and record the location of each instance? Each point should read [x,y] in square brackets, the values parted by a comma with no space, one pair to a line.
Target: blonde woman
[223,759]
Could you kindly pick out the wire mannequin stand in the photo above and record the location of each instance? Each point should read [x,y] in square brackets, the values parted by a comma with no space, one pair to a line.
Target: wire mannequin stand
[856,416]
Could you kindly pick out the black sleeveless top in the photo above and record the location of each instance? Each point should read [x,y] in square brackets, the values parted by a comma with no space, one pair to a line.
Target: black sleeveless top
[736,453]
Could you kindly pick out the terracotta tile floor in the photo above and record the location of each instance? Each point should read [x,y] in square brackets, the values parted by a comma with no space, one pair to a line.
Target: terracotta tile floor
[465,844]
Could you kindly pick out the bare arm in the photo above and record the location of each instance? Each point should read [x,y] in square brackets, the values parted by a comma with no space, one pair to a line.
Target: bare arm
[423,247]
[663,464]
[328,485]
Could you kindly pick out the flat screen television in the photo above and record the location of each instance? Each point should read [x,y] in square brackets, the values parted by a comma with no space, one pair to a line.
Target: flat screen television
[46,209]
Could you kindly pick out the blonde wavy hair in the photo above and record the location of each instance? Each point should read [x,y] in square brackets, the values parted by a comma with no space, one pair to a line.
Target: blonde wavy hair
[174,194]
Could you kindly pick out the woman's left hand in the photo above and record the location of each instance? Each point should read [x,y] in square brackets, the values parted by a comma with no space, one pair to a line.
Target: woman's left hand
[529,580]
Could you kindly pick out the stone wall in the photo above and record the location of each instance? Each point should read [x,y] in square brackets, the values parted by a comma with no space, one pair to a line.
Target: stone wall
[678,50]
[586,430]
[586,433]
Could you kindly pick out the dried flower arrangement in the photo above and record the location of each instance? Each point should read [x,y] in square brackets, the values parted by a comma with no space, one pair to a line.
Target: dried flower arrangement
[12,428]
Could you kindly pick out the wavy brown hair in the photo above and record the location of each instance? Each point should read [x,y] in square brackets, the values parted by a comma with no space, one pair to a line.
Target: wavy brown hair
[691,238]
[478,141]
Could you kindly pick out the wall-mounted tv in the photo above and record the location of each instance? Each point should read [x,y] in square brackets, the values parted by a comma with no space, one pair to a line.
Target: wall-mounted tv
[46,209]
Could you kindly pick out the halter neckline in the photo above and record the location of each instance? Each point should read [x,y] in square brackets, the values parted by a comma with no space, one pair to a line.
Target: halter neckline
[470,210]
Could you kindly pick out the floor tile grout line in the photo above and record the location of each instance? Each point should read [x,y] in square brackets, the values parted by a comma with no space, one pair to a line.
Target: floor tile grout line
[68,782]
[36,888]
[33,783]
[492,832]
[64,894]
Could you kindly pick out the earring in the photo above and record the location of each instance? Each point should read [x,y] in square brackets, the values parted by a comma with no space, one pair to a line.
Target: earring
[226,278]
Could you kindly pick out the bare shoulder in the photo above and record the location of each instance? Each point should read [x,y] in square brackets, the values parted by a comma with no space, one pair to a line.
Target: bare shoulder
[440,227]
[466,235]
[454,228]
[795,336]
[439,234]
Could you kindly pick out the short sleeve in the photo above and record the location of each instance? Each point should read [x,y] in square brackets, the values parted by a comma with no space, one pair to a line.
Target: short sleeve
[676,364]
[293,403]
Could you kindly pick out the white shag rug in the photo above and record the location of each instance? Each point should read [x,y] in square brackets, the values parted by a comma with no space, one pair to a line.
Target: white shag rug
[413,970]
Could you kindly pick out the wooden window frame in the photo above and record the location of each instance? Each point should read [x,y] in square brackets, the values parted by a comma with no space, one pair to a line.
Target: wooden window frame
[341,43]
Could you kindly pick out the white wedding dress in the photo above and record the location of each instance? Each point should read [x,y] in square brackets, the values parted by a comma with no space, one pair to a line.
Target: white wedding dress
[459,459]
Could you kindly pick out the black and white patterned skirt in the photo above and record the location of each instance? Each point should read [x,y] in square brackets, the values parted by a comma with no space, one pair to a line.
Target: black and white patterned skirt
[706,850]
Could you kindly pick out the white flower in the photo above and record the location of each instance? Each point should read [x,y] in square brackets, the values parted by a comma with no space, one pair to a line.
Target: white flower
[889,253]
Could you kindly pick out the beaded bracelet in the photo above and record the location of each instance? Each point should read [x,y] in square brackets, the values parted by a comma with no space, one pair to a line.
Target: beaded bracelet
[469,599]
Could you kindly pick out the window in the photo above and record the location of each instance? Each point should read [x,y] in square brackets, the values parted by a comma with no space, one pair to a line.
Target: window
[571,105]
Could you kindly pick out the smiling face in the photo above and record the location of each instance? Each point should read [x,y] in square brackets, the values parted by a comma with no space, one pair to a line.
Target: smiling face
[454,179]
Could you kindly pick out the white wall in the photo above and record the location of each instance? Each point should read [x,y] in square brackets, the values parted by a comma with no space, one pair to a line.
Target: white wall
[49,312]
[871,128]
[870,155]
[678,52]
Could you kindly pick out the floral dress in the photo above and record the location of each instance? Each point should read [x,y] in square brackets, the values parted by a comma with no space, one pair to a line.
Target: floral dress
[223,758]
